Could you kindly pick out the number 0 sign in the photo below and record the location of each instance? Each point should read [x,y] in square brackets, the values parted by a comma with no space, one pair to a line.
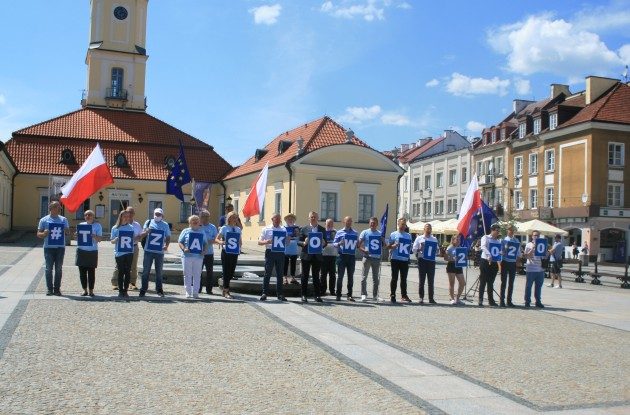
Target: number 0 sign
[541,247]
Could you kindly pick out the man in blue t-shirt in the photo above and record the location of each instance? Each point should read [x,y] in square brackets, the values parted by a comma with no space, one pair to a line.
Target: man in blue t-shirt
[53,228]
[371,241]
[154,248]
[208,259]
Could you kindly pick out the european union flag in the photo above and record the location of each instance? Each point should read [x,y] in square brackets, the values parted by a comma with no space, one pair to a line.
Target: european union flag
[384,220]
[178,176]
[476,229]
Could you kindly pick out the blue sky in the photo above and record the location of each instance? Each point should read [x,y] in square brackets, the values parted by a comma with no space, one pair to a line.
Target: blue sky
[236,73]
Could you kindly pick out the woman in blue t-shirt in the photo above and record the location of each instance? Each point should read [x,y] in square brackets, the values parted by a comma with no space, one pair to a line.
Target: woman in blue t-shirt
[454,272]
[229,259]
[123,258]
[87,254]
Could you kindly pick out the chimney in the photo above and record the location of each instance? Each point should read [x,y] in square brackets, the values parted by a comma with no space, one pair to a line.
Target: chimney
[557,89]
[596,86]
[300,145]
[519,104]
[404,147]
[349,136]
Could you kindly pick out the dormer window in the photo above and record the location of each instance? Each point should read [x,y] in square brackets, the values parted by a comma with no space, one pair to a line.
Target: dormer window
[537,124]
[494,136]
[283,145]
[67,157]
[120,160]
[553,121]
[521,130]
[502,133]
[260,153]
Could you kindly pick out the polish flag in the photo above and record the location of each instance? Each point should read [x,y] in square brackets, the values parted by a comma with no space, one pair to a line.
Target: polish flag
[470,206]
[253,204]
[91,176]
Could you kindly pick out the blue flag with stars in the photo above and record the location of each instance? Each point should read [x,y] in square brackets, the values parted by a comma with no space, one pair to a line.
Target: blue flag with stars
[384,220]
[178,176]
[476,229]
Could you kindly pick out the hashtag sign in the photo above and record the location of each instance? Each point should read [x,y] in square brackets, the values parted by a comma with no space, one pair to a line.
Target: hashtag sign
[55,234]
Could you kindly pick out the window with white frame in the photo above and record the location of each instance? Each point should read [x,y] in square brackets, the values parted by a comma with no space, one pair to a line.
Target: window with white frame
[533,198]
[464,174]
[518,166]
[479,168]
[549,197]
[533,163]
[329,205]
[518,200]
[499,197]
[449,205]
[615,154]
[494,136]
[427,182]
[416,184]
[454,205]
[498,165]
[427,208]
[366,207]
[452,177]
[521,130]
[439,207]
[537,124]
[550,160]
[615,195]
[553,121]
[439,179]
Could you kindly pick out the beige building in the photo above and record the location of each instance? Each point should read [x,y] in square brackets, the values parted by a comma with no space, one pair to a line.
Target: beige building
[318,166]
[7,174]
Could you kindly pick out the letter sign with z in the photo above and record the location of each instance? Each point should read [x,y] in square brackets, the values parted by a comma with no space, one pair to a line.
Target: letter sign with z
[155,240]
[195,242]
[495,251]
[278,239]
[461,257]
[511,250]
[429,250]
[349,244]
[404,248]
[231,243]
[315,242]
[55,234]
[541,247]
[84,235]
[374,245]
[125,242]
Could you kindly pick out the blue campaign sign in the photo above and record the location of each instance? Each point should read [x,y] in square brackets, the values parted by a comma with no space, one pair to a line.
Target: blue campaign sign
[292,230]
[124,244]
[330,236]
[495,251]
[315,242]
[155,240]
[195,242]
[540,247]
[461,257]
[404,247]
[278,241]
[84,235]
[55,234]
[429,251]
[349,244]
[511,250]
[374,245]
[231,243]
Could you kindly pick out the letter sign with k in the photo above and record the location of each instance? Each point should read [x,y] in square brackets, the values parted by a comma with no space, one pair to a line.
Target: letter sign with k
[278,241]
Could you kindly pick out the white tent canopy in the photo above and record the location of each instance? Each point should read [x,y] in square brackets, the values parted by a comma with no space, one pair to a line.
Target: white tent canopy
[538,225]
[416,227]
[448,227]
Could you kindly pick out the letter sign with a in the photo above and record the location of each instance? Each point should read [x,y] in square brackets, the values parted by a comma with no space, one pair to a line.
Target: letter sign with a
[278,239]
[84,235]
[195,242]
[125,242]
[540,247]
[231,243]
[315,242]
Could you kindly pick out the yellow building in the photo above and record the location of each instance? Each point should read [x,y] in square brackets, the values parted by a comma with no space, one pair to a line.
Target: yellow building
[319,167]
[138,147]
[7,174]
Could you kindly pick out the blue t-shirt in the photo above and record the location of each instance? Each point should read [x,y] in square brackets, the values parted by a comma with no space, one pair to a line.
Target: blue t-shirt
[211,233]
[292,247]
[185,235]
[365,237]
[162,226]
[114,234]
[97,230]
[393,238]
[340,235]
[225,229]
[43,226]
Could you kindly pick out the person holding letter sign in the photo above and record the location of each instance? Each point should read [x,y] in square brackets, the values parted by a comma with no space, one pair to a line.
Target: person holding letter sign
[400,246]
[124,238]
[291,252]
[511,254]
[136,252]
[194,243]
[208,259]
[312,243]
[329,255]
[346,241]
[88,234]
[371,244]
[275,239]
[53,228]
[425,246]
[533,268]
[488,266]
[158,235]
[453,271]
[230,238]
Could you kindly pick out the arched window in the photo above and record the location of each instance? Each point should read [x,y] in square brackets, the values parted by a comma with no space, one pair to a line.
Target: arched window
[116,90]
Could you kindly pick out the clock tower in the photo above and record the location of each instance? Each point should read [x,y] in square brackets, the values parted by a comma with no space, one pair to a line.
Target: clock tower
[116,57]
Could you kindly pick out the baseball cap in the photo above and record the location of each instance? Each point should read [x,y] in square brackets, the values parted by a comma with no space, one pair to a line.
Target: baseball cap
[158,210]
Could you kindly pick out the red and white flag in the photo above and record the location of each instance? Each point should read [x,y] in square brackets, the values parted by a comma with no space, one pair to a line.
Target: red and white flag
[470,206]
[91,176]
[253,204]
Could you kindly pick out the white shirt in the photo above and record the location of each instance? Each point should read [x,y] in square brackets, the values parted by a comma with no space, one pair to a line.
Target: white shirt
[485,246]
[534,264]
[420,241]
[267,233]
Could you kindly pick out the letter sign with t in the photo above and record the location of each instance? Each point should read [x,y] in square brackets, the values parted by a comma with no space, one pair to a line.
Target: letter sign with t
[511,250]
[430,248]
[461,257]
[195,242]
[55,234]
[315,242]
[349,244]
[404,248]
[84,235]
[374,245]
[155,240]
[278,239]
[495,251]
[231,243]
[541,247]
[125,242]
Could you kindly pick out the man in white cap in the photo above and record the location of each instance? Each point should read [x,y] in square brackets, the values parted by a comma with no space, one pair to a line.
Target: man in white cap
[158,235]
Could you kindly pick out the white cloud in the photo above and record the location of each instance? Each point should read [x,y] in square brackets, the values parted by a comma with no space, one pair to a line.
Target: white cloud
[369,10]
[522,86]
[475,127]
[3,99]
[604,18]
[433,82]
[266,14]
[395,119]
[358,115]
[545,44]
[462,85]
[624,54]
[404,5]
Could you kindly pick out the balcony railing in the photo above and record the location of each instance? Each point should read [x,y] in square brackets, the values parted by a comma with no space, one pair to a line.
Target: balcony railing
[116,93]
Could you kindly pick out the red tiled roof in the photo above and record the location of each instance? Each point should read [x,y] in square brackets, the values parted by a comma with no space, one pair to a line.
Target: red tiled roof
[415,152]
[322,132]
[144,140]
[613,106]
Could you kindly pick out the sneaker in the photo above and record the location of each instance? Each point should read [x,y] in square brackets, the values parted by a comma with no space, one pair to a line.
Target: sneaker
[527,305]
[142,293]
[460,302]
[57,293]
[338,298]
[558,286]
[161,294]
[318,299]
[120,294]
[195,295]
[392,299]
[453,302]
[351,299]
[188,295]
[550,285]
[540,305]
[363,298]
[510,304]
[405,299]
[282,298]
[432,302]
[263,297]
[133,287]
[115,287]
[49,292]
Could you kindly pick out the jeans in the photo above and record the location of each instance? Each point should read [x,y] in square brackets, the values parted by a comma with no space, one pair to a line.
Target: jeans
[508,273]
[427,271]
[210,281]
[54,258]
[374,264]
[149,257]
[273,260]
[401,267]
[486,279]
[123,263]
[192,273]
[345,262]
[537,278]
[328,271]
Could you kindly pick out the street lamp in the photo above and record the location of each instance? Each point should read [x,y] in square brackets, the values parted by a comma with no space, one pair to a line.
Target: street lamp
[584,198]
[425,194]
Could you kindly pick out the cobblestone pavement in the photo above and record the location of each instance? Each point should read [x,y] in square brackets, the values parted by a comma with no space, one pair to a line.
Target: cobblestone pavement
[172,355]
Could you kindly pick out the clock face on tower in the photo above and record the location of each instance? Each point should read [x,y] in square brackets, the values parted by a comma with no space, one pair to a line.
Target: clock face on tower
[120,13]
